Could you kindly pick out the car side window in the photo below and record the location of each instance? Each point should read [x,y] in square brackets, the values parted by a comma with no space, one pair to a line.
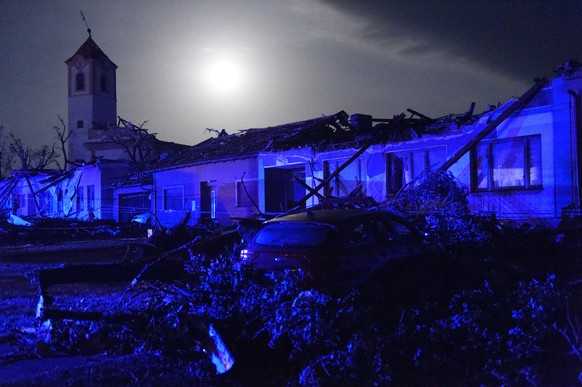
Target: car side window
[361,234]
[401,229]
[385,231]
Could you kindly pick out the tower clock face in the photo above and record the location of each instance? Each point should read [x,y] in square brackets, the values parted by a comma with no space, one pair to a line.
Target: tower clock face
[80,64]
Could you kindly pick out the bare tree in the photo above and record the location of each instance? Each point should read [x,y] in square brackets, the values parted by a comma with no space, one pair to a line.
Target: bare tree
[30,158]
[3,155]
[43,157]
[17,148]
[63,137]
[138,143]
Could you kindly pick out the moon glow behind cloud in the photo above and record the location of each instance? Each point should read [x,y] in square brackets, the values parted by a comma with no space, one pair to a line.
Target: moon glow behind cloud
[222,75]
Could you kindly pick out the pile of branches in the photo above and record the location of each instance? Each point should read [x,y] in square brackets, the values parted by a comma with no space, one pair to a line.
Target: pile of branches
[437,203]
[283,332]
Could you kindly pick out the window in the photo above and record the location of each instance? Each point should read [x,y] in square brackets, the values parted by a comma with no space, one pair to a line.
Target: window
[173,198]
[31,204]
[347,182]
[80,124]
[246,193]
[104,84]
[90,197]
[80,82]
[80,198]
[403,167]
[361,234]
[59,202]
[242,194]
[507,163]
[293,234]
[47,202]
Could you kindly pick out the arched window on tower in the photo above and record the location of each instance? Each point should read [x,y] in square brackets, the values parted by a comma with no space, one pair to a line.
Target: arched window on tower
[104,83]
[80,82]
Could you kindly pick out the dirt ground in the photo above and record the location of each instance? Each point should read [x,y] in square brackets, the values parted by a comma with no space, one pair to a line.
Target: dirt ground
[22,360]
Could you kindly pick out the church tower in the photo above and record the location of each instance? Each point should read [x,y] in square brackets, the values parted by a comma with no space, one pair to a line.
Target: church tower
[92,99]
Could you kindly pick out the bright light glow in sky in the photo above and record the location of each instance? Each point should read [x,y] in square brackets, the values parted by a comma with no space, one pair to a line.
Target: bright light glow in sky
[184,66]
[223,75]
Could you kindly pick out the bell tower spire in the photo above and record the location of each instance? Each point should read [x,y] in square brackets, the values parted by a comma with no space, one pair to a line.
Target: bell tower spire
[92,97]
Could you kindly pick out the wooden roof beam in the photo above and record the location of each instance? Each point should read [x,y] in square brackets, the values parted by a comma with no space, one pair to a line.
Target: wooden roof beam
[519,104]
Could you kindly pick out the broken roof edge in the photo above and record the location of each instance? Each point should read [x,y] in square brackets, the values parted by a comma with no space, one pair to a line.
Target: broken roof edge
[201,162]
[339,115]
[250,142]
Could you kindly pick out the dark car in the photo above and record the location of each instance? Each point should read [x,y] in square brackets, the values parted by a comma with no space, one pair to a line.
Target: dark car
[332,246]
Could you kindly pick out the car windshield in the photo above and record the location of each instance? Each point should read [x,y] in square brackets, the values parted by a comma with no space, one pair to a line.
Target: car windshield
[293,234]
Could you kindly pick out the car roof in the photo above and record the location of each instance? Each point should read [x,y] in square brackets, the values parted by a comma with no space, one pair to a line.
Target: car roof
[327,216]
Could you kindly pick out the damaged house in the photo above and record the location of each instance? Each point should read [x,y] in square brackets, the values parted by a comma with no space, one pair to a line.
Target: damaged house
[520,160]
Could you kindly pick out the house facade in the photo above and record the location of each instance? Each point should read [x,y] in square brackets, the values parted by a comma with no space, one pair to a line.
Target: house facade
[83,193]
[520,161]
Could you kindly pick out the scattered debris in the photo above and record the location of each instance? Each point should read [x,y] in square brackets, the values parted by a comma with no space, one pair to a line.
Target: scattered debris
[18,221]
[134,303]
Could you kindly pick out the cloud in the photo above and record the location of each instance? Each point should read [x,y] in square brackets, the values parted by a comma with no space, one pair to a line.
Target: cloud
[521,39]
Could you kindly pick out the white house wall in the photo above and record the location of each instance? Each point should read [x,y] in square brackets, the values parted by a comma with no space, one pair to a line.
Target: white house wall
[66,198]
[565,139]
[558,188]
[545,133]
[369,169]
[524,204]
[226,182]
[90,188]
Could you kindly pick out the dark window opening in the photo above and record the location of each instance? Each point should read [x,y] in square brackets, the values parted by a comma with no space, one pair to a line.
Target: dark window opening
[80,82]
[81,199]
[173,198]
[246,192]
[284,187]
[104,84]
[403,167]
[80,124]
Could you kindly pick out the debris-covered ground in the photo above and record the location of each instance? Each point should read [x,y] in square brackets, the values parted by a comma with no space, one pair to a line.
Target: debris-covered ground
[503,312]
[498,305]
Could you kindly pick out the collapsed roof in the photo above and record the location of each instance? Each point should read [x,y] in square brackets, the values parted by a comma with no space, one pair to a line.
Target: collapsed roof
[335,131]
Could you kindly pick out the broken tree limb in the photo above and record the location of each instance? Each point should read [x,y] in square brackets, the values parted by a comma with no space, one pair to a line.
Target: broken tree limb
[197,329]
[520,103]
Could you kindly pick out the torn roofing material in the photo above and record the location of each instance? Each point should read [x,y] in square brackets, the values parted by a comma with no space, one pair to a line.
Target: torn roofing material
[320,131]
[337,131]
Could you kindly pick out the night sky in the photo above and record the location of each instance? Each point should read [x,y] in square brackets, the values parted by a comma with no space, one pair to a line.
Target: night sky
[185,66]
